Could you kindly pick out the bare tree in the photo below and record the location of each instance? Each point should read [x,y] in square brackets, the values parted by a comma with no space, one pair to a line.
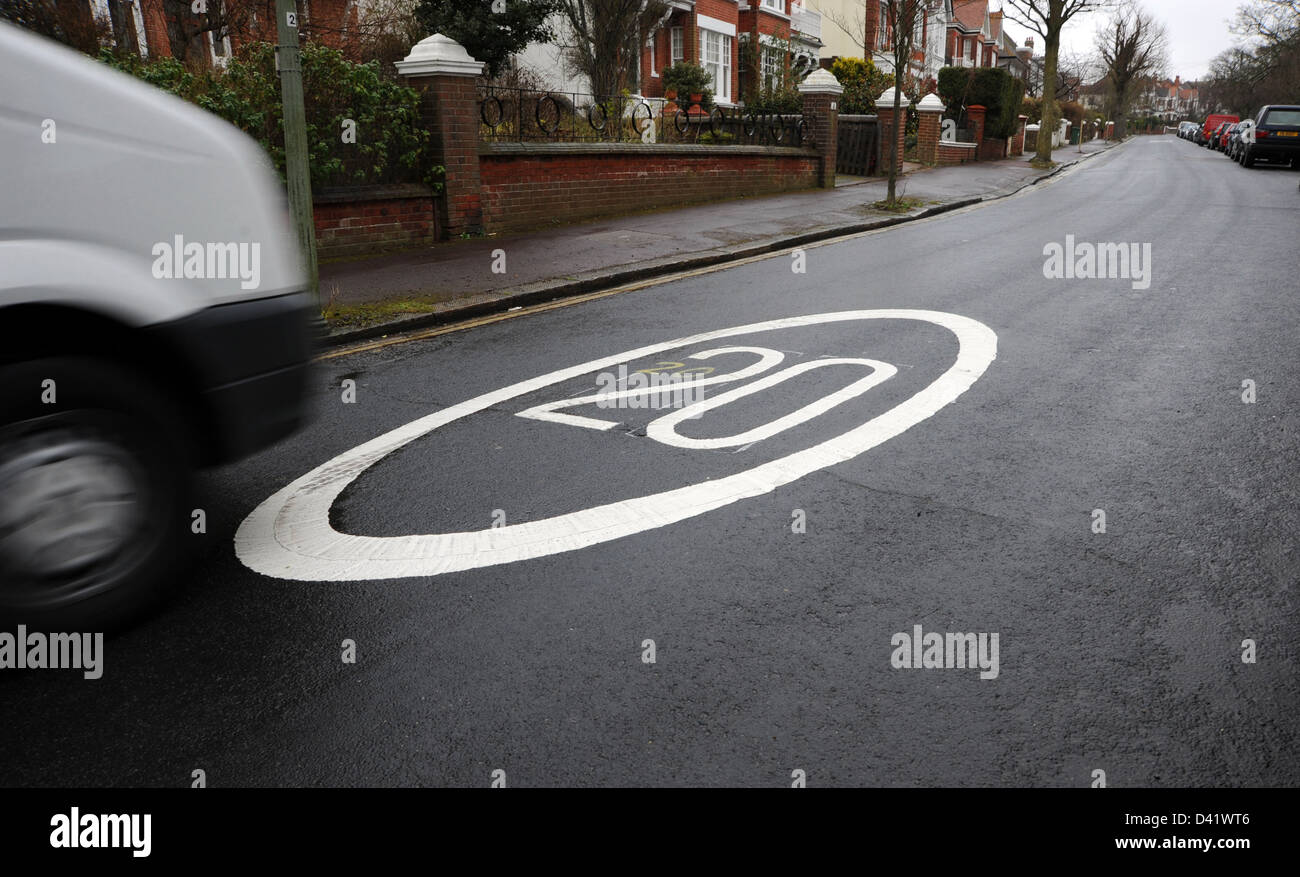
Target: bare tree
[1133,49]
[903,18]
[605,39]
[1047,18]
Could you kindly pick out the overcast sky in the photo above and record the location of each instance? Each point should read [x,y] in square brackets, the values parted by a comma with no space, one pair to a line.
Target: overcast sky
[1198,30]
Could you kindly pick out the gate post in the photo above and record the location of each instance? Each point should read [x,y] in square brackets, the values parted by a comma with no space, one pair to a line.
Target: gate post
[444,74]
[821,109]
[885,112]
[930,111]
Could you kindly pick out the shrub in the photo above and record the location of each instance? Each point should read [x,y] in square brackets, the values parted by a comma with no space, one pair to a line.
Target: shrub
[862,84]
[775,100]
[391,145]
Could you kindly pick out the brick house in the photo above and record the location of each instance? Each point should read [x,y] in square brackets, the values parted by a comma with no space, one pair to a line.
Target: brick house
[712,33]
[156,28]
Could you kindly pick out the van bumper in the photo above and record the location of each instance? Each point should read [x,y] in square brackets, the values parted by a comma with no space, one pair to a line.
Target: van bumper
[251,361]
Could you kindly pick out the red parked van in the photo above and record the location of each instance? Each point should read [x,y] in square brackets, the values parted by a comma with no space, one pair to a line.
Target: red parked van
[1210,124]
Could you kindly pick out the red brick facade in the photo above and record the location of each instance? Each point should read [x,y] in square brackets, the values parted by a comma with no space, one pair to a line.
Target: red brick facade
[330,22]
[757,21]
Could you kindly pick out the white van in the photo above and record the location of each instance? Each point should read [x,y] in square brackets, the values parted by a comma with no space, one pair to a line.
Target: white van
[153,319]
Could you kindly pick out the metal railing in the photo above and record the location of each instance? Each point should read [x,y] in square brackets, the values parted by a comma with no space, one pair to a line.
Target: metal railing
[516,115]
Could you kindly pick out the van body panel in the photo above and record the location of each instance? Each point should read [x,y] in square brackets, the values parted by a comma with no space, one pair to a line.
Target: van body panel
[109,172]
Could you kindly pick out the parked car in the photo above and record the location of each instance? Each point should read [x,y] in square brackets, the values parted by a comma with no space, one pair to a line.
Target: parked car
[1236,139]
[1213,122]
[1185,129]
[1214,139]
[153,319]
[1224,136]
[1274,137]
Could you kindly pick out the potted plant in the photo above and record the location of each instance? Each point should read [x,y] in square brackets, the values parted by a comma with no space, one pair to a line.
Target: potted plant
[692,80]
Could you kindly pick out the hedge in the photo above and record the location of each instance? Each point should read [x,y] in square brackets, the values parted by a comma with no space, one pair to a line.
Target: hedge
[991,87]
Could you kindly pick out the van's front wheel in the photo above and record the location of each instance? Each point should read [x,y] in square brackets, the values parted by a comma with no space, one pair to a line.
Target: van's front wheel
[95,488]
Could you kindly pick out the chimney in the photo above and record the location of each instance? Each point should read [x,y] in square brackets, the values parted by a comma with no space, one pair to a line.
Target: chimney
[1029,42]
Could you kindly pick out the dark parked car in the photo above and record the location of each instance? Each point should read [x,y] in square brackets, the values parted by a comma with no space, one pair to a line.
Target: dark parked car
[1215,138]
[1276,136]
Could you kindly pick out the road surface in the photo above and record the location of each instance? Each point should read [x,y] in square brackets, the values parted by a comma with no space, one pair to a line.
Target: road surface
[932,447]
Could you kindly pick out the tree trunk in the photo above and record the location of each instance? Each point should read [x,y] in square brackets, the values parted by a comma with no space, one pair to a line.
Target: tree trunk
[1047,125]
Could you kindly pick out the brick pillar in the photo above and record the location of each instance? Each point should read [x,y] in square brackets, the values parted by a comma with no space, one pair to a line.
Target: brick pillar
[444,74]
[885,112]
[821,98]
[1018,142]
[930,110]
[976,116]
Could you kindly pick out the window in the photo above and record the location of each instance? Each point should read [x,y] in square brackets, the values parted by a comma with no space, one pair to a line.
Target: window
[771,60]
[1286,118]
[715,57]
[678,45]
[778,5]
[654,52]
[882,26]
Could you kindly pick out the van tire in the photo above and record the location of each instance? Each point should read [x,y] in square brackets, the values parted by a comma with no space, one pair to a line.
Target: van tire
[104,459]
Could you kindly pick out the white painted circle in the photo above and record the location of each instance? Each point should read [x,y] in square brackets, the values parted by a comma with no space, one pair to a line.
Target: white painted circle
[289,535]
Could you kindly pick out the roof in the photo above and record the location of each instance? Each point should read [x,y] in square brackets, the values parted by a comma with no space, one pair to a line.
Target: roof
[970,14]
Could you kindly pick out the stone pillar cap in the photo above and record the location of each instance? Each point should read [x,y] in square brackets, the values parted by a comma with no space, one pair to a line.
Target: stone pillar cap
[820,82]
[886,100]
[439,55]
[930,104]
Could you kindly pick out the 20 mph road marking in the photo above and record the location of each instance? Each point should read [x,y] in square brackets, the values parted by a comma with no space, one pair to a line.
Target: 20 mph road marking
[289,535]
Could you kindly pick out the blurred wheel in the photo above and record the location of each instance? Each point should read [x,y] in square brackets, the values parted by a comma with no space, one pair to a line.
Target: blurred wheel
[94,493]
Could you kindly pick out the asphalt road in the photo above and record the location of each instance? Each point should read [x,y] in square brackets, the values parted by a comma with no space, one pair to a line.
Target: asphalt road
[1118,651]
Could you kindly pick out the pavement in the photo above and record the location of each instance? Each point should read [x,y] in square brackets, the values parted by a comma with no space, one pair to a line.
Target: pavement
[453,280]
[526,649]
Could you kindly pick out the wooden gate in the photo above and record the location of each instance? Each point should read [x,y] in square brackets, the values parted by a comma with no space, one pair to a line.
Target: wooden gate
[857,148]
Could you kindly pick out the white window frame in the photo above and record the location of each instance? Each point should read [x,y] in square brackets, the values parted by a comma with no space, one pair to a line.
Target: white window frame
[882,27]
[654,46]
[778,5]
[770,65]
[677,45]
[722,74]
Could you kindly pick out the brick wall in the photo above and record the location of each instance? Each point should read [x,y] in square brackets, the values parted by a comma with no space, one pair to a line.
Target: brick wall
[364,219]
[955,153]
[532,185]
